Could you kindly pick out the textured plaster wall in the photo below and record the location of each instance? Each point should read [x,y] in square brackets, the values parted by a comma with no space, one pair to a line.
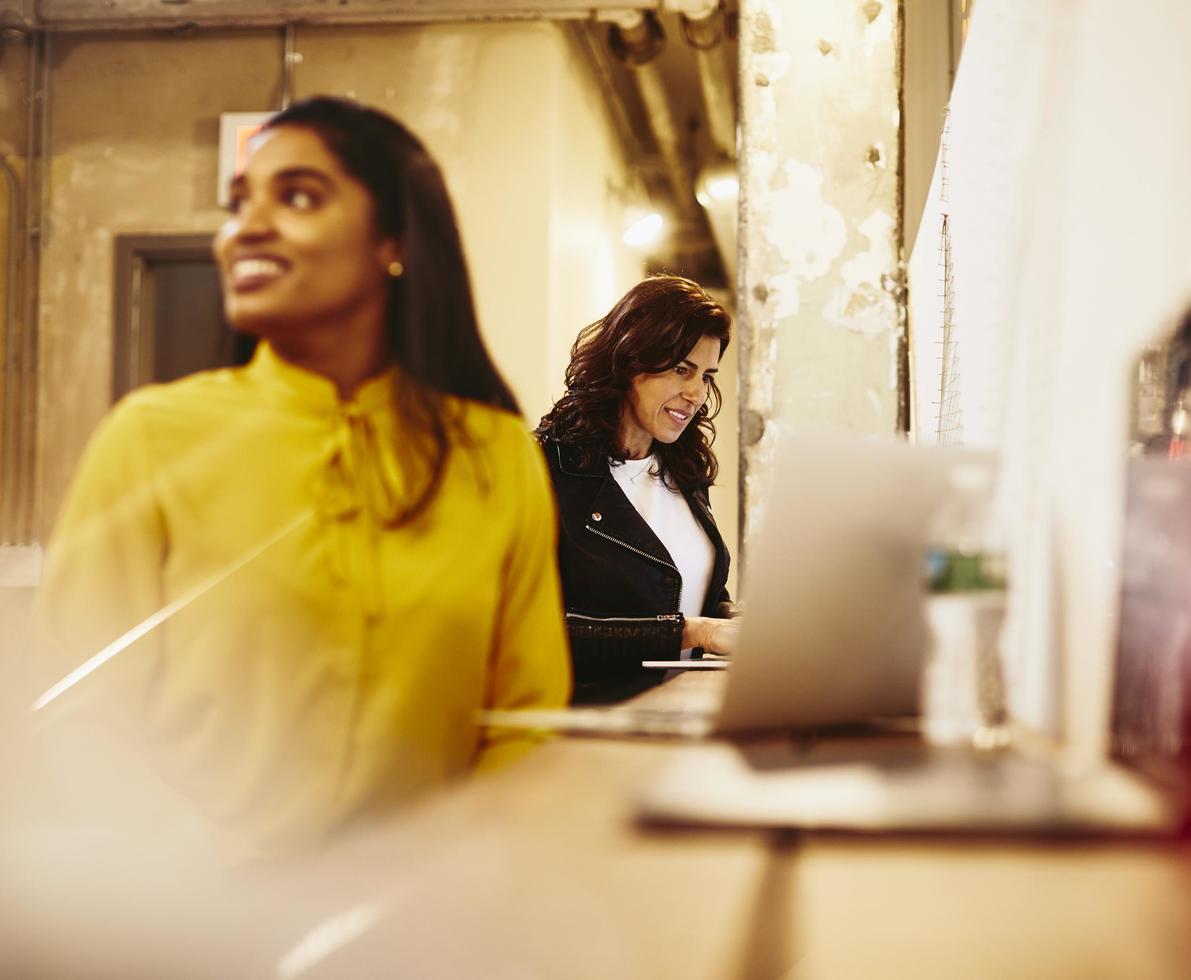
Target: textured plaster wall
[820,220]
[15,603]
[133,137]
[477,94]
[14,62]
[134,147]
[590,266]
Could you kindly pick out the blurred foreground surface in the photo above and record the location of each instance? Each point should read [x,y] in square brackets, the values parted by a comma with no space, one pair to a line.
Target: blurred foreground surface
[541,871]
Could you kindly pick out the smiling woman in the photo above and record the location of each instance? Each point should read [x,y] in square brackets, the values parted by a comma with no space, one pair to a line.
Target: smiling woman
[303,263]
[643,566]
[294,584]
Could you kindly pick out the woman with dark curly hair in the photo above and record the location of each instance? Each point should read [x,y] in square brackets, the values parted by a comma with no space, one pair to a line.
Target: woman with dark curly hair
[629,450]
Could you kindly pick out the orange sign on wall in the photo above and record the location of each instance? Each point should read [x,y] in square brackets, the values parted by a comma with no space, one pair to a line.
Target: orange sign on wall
[235,130]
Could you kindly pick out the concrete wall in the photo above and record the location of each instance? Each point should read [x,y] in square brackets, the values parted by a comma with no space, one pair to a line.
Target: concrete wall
[509,110]
[133,140]
[15,602]
[515,123]
[480,97]
[14,68]
[821,220]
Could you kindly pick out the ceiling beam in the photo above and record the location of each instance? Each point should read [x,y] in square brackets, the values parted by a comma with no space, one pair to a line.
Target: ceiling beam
[165,14]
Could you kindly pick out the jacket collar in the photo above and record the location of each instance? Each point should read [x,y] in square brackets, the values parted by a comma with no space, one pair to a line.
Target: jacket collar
[569,463]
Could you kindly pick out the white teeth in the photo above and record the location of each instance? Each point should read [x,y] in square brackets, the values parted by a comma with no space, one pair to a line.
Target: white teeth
[248,268]
[678,415]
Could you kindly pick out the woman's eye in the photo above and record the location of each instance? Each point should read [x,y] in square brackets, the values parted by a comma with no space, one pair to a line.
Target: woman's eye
[234,203]
[299,199]
[681,370]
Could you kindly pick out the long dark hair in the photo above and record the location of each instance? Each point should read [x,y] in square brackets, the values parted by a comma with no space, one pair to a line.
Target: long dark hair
[431,333]
[653,327]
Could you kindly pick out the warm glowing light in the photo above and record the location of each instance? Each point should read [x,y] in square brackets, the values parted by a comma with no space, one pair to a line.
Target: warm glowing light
[721,188]
[644,231]
[717,185]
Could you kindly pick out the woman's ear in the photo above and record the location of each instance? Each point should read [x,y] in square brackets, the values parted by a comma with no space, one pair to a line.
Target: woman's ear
[391,258]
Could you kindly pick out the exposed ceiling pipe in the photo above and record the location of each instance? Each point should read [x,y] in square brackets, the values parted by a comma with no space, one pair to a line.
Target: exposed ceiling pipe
[597,60]
[637,38]
[716,186]
[130,14]
[289,58]
[705,35]
[17,505]
[12,380]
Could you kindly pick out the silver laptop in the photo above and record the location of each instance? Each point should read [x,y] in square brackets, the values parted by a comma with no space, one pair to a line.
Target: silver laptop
[831,556]
[833,632]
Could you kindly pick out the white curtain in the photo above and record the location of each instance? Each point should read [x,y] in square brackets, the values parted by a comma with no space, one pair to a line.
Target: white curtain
[1065,181]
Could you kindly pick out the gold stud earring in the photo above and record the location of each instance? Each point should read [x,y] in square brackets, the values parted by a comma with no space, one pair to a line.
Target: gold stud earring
[396,270]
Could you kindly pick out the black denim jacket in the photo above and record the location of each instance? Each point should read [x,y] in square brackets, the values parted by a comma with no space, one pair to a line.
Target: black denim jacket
[620,586]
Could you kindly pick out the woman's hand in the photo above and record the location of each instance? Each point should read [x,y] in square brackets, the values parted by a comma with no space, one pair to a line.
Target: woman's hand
[713,635]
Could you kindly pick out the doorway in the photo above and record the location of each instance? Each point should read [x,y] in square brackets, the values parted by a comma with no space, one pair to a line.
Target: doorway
[169,312]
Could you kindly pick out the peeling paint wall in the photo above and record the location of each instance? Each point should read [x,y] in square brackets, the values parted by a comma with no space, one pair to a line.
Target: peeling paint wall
[820,231]
[134,146]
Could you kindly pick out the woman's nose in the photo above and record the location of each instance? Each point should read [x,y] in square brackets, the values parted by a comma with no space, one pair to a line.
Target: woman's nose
[252,220]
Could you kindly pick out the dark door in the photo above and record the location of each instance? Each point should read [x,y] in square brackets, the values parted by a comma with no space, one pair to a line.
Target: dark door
[169,312]
[189,331]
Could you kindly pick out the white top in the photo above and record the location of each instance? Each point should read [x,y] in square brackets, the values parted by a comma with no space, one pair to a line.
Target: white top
[670,518]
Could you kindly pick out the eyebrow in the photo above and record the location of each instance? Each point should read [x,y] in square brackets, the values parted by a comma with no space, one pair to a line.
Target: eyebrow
[290,173]
[690,363]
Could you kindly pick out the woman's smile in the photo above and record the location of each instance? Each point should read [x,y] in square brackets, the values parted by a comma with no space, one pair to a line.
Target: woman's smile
[252,272]
[300,250]
[659,407]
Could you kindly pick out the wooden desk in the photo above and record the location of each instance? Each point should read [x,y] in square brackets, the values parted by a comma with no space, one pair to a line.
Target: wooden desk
[540,871]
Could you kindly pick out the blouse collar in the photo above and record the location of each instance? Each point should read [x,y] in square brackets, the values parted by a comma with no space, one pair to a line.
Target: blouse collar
[311,390]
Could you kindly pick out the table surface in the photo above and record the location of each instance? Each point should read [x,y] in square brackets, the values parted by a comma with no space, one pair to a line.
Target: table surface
[543,871]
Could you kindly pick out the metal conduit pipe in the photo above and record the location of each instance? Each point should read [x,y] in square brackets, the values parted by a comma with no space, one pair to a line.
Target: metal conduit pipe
[20,529]
[666,133]
[705,35]
[8,438]
[289,58]
[76,15]
[596,60]
[637,38]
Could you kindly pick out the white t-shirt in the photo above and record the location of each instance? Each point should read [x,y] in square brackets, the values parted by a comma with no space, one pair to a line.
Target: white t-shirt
[669,517]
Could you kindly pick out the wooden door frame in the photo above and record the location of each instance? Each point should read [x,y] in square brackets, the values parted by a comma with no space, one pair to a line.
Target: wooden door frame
[132,338]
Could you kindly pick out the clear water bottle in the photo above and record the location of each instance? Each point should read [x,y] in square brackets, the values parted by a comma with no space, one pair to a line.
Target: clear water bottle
[963,696]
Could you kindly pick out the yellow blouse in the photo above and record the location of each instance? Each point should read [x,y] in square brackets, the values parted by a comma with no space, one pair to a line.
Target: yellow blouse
[312,665]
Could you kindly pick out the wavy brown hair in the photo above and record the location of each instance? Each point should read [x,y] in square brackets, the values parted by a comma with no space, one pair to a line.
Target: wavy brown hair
[653,327]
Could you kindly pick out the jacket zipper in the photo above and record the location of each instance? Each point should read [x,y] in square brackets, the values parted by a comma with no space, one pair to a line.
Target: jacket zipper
[643,554]
[664,617]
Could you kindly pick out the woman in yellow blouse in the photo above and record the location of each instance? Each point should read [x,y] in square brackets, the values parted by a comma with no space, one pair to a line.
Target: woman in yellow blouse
[299,580]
